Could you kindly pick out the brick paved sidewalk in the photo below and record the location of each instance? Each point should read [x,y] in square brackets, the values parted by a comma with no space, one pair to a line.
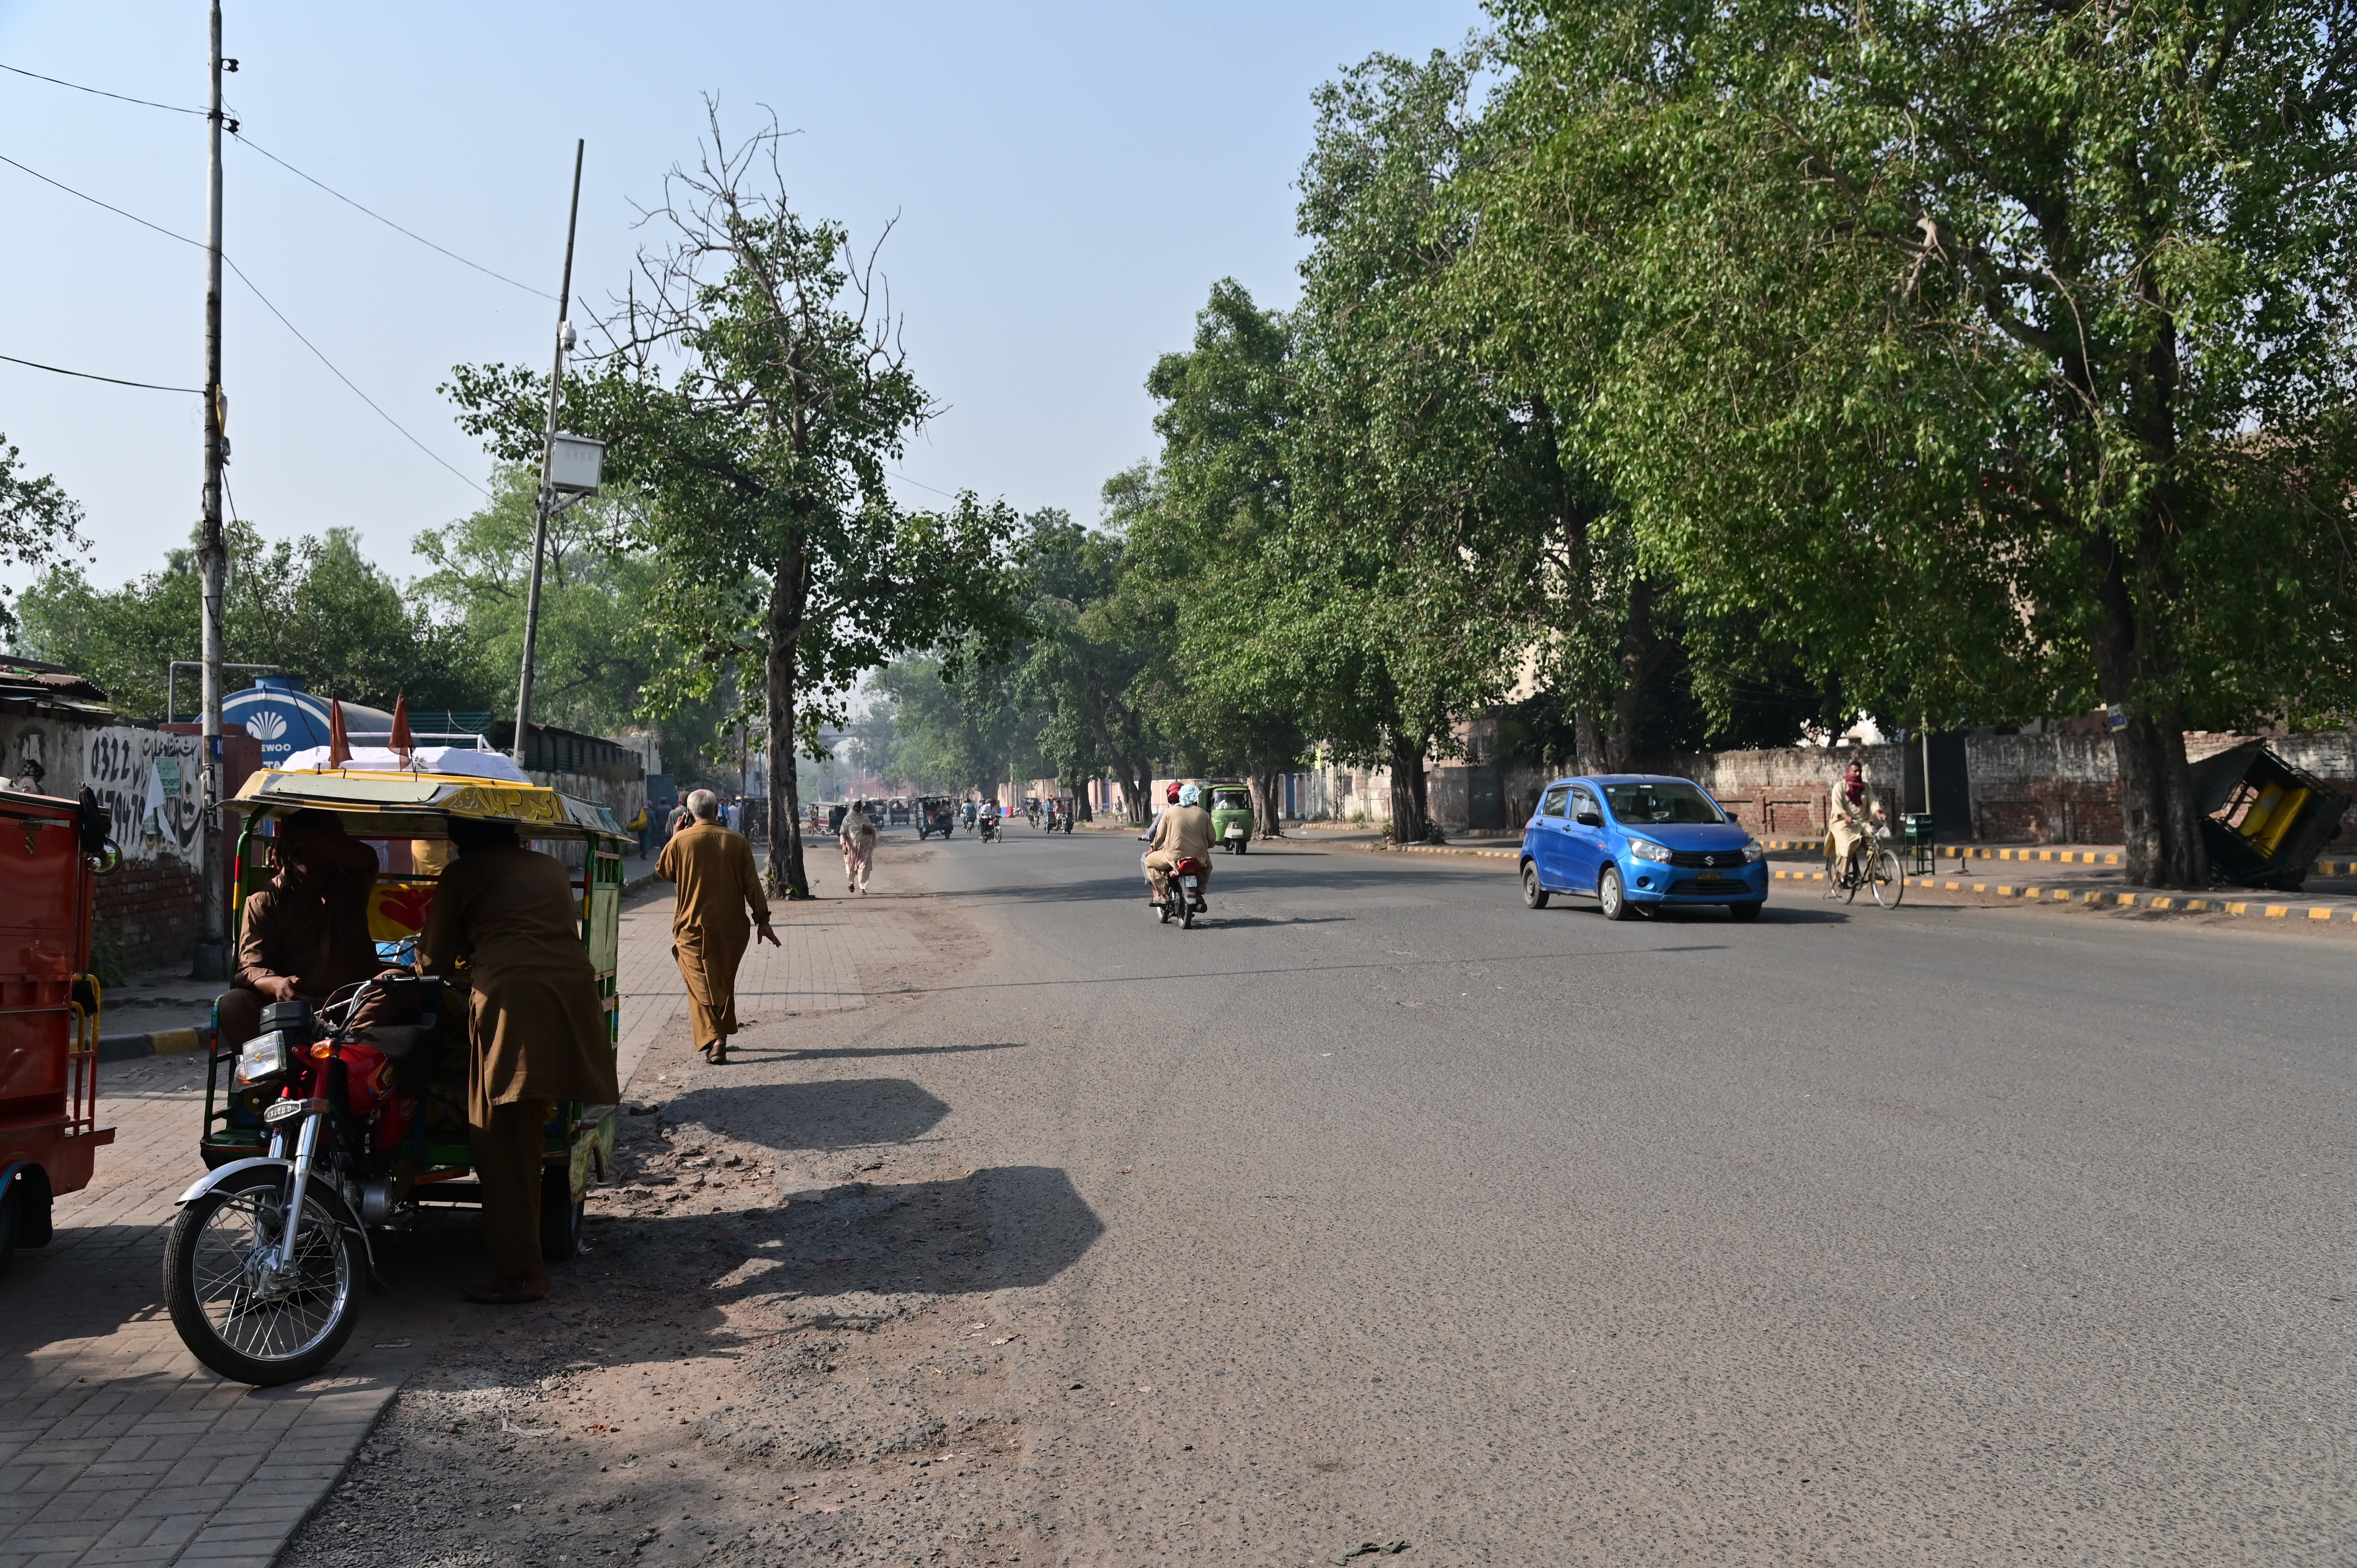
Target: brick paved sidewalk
[115,1445]
[813,970]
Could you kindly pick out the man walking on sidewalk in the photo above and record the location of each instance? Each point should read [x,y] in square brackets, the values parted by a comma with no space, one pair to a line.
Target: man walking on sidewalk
[717,882]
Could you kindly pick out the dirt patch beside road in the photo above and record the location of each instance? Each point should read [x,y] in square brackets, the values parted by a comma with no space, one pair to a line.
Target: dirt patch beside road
[774,1349]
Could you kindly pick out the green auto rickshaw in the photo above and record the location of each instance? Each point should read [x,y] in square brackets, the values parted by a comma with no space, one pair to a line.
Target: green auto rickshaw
[1232,816]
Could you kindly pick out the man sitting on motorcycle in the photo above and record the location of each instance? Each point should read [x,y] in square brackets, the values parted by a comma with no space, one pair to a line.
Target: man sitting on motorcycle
[1183,832]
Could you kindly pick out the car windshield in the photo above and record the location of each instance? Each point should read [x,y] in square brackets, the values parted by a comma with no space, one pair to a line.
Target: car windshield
[1675,802]
[1231,800]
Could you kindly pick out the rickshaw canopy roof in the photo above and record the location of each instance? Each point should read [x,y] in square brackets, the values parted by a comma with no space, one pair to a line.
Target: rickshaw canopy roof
[273,792]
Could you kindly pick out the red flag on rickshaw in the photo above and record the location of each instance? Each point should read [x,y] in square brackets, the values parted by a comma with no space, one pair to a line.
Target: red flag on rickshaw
[340,750]
[399,740]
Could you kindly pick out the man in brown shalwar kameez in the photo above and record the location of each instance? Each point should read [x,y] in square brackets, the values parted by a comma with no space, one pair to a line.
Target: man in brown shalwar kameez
[717,882]
[539,1029]
[306,935]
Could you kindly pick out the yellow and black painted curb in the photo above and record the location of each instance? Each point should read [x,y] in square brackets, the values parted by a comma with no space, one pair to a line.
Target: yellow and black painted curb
[161,1042]
[2174,903]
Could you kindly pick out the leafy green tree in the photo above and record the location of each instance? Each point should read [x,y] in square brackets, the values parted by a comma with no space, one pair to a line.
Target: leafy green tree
[956,726]
[1994,359]
[754,396]
[315,606]
[596,654]
[1098,665]
[38,521]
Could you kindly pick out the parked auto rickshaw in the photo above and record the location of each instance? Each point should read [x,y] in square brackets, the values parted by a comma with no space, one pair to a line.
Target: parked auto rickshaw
[1232,816]
[49,1137]
[359,1130]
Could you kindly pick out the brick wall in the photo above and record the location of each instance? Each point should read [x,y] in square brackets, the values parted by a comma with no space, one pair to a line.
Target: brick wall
[150,911]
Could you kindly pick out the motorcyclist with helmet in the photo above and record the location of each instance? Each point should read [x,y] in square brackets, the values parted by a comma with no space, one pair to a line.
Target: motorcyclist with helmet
[1183,832]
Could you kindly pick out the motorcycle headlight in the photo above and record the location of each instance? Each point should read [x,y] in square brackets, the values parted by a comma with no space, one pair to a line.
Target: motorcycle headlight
[264,1056]
[1754,850]
[1646,849]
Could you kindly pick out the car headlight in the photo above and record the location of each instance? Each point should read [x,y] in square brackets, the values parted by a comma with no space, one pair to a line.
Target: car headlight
[1646,849]
[264,1056]
[1753,850]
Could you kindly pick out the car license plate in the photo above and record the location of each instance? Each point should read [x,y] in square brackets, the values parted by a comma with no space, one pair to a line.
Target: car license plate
[1709,877]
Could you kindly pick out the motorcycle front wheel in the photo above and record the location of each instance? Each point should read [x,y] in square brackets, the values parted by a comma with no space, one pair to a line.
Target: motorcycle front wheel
[230,1316]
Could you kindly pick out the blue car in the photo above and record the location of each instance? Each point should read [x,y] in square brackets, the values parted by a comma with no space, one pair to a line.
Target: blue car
[1629,840]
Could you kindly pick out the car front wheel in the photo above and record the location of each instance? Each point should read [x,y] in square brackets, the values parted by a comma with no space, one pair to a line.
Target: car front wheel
[1612,896]
[1534,895]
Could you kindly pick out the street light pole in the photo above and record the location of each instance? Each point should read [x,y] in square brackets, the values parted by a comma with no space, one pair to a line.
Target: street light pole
[545,498]
[213,953]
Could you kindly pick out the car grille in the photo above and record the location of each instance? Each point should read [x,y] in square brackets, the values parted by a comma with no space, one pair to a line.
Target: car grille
[1690,886]
[1707,859]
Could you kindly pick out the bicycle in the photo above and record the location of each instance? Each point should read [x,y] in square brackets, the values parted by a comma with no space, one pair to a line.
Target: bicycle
[1871,865]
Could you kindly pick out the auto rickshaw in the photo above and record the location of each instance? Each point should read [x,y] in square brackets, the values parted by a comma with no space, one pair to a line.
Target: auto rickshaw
[1232,816]
[50,1135]
[935,814]
[360,1130]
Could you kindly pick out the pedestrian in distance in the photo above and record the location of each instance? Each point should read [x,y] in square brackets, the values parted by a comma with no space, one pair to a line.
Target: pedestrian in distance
[857,841]
[718,883]
[537,1025]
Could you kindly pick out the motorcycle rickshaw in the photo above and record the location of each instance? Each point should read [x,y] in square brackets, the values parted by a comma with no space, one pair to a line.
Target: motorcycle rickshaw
[1232,816]
[935,814]
[320,1136]
[50,1135]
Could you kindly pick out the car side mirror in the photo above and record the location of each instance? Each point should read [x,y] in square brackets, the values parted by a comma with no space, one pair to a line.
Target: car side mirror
[1589,818]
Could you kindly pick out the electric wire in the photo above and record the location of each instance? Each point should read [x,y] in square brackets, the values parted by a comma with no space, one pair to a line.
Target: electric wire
[348,381]
[238,135]
[274,310]
[918,483]
[246,140]
[88,376]
[118,97]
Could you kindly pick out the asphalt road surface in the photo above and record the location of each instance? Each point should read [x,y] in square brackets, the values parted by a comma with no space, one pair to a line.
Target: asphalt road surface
[1951,1235]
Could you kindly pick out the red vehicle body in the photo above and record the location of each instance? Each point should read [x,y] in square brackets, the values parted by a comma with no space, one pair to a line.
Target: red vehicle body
[49,1134]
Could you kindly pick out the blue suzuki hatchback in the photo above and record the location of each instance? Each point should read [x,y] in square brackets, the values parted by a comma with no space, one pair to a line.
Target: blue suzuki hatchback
[1631,839]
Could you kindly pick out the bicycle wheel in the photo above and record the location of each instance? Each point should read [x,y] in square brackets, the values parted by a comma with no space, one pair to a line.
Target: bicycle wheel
[1890,880]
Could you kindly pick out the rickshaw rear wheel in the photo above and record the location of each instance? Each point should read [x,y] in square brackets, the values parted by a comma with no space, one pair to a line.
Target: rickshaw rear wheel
[561,1215]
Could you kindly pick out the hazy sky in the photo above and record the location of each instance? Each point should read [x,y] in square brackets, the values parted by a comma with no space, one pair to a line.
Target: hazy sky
[1068,181]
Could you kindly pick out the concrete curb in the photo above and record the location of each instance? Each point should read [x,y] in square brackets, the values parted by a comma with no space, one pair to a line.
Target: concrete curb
[2172,903]
[161,1042]
[1512,855]
[1980,852]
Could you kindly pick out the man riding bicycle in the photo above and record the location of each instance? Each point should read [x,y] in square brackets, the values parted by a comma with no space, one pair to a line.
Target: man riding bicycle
[1854,810]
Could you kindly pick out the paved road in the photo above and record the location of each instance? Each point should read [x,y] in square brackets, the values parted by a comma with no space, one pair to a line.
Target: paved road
[1954,1235]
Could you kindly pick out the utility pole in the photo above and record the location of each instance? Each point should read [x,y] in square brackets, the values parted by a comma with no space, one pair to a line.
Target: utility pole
[546,499]
[213,953]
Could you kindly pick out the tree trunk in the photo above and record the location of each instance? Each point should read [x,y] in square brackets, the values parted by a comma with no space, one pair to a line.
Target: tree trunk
[1409,824]
[1267,782]
[1136,787]
[2161,830]
[787,878]
[1589,742]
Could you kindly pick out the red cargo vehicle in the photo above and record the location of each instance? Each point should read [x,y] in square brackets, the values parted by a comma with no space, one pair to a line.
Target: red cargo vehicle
[54,850]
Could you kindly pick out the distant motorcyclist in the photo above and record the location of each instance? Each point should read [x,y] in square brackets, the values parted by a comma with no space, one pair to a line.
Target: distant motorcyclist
[1183,832]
